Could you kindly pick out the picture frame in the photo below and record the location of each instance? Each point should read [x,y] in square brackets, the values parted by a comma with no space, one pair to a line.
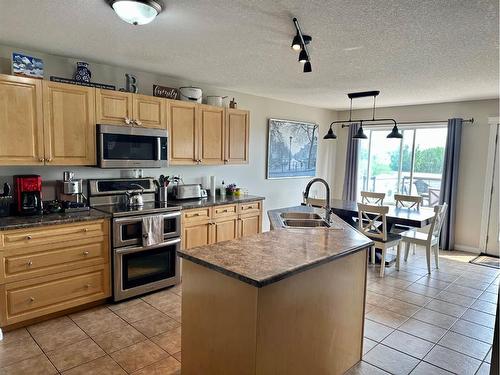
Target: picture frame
[292,149]
[26,66]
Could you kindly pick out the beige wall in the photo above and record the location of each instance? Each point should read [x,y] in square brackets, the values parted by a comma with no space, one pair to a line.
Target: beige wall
[278,193]
[473,156]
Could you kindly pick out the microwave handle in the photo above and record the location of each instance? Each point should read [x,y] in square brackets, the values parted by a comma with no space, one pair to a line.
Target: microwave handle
[158,148]
[137,249]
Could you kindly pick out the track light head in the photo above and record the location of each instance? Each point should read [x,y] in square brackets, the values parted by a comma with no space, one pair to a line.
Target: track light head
[307,67]
[303,56]
[296,43]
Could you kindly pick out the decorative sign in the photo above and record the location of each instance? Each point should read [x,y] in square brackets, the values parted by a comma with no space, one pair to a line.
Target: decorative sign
[28,66]
[82,83]
[165,92]
[130,83]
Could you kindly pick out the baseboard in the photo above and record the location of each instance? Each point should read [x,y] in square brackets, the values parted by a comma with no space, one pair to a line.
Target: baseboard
[468,249]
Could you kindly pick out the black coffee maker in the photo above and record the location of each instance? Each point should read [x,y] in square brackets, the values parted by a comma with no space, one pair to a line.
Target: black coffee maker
[28,194]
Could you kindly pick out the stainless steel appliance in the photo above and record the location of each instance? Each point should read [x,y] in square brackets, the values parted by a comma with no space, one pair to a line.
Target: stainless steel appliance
[70,192]
[189,191]
[138,268]
[131,147]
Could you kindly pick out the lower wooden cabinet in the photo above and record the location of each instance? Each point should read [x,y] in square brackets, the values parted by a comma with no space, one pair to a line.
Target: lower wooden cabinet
[209,225]
[48,269]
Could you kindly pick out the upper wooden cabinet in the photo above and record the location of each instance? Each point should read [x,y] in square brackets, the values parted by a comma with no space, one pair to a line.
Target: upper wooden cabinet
[118,108]
[21,120]
[182,118]
[69,124]
[237,136]
[211,139]
[113,107]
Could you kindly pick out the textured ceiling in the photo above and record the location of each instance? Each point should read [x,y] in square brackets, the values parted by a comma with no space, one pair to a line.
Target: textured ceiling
[414,51]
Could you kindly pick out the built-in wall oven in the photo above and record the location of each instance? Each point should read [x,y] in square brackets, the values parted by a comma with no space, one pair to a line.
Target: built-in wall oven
[120,146]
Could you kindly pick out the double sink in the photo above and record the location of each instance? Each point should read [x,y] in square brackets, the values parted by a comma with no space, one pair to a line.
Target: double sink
[303,220]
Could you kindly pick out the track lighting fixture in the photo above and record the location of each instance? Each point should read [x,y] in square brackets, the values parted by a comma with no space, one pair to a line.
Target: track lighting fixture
[360,134]
[299,43]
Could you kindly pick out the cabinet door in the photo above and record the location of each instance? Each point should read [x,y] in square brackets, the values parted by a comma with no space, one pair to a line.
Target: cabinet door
[69,124]
[211,141]
[113,107]
[183,132]
[21,119]
[225,230]
[237,136]
[196,235]
[149,111]
[250,225]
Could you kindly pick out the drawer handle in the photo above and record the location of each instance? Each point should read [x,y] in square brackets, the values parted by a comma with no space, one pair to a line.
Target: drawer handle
[225,210]
[85,253]
[196,214]
[29,263]
[32,299]
[28,238]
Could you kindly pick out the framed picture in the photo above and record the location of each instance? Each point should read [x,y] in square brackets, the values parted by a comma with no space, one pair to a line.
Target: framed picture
[28,66]
[292,149]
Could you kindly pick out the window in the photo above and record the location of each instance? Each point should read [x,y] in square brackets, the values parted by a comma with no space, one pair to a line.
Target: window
[412,165]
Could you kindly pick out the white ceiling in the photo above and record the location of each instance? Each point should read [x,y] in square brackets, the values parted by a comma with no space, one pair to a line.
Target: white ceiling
[414,51]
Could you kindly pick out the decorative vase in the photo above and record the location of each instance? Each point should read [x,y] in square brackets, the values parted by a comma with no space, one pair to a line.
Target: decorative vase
[82,73]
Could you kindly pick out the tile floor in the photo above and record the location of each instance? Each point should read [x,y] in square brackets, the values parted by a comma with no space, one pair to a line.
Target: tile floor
[415,323]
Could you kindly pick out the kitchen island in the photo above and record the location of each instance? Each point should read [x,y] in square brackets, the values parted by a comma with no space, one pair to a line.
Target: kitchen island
[288,301]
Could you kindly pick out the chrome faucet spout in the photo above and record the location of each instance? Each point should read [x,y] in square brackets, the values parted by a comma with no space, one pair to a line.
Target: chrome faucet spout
[328,210]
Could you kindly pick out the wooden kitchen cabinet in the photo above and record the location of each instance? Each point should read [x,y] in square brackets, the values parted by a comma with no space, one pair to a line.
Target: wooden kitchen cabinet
[113,107]
[21,116]
[149,111]
[225,229]
[198,234]
[182,119]
[250,225]
[237,136]
[69,124]
[211,135]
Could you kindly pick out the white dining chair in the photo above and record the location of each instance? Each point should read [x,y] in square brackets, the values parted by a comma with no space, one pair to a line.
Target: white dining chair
[430,240]
[370,197]
[372,222]
[411,202]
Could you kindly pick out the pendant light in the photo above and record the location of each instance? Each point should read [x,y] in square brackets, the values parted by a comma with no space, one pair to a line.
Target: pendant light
[360,134]
[330,134]
[395,133]
[303,58]
[136,12]
[307,67]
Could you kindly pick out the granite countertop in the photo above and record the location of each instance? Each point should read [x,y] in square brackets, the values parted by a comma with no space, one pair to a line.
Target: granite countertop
[20,222]
[268,257]
[213,201]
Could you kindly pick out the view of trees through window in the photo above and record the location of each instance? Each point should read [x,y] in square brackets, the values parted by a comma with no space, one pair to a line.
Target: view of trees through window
[412,165]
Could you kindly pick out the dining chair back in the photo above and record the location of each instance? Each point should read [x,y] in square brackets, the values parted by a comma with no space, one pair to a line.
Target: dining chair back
[408,201]
[372,222]
[437,222]
[370,197]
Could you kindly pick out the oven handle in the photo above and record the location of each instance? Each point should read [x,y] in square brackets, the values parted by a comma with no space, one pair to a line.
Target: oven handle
[139,218]
[137,249]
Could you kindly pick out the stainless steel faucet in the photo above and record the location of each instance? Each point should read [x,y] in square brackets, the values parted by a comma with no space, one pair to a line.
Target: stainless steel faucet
[328,210]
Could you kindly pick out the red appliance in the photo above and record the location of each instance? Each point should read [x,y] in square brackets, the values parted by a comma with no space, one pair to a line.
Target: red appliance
[28,194]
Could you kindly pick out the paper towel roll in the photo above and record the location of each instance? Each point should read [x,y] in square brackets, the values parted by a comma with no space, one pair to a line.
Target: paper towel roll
[212,186]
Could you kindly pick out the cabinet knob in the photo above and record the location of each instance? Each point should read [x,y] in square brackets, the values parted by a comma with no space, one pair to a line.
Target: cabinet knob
[49,160]
[29,263]
[85,229]
[137,123]
[85,253]
[128,121]
[226,161]
[32,299]
[29,237]
[87,286]
[41,160]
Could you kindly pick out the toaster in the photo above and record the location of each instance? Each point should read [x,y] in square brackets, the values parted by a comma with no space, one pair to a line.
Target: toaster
[189,191]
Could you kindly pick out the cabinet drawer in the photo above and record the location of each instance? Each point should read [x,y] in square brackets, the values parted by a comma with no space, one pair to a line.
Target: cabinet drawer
[251,207]
[33,262]
[44,295]
[196,215]
[54,233]
[225,211]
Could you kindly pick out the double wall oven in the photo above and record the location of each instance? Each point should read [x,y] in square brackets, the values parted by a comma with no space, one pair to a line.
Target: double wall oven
[139,264]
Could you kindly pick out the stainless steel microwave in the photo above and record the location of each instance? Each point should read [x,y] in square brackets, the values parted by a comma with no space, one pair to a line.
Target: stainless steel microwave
[131,147]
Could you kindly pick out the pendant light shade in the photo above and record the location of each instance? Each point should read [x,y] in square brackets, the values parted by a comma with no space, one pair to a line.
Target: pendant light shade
[136,12]
[296,43]
[307,67]
[395,133]
[360,134]
[303,56]
[330,134]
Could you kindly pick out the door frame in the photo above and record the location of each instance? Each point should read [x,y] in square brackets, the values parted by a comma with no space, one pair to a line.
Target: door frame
[494,126]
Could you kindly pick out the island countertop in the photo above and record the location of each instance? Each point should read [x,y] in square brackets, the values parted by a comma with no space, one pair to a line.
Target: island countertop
[271,256]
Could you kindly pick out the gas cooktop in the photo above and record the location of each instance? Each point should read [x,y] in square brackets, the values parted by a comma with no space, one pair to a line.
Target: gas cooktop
[117,210]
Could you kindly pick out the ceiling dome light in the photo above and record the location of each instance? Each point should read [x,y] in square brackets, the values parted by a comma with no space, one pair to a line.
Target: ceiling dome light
[360,134]
[296,43]
[308,67]
[395,133]
[136,12]
[303,56]
[330,134]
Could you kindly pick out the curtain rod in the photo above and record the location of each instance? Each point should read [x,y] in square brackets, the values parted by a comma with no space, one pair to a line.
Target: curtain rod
[471,121]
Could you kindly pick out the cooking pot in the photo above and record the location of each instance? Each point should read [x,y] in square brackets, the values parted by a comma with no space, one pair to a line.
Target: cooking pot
[215,100]
[190,94]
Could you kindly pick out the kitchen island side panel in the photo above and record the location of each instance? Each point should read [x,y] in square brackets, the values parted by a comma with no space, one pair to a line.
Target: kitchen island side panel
[219,323]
